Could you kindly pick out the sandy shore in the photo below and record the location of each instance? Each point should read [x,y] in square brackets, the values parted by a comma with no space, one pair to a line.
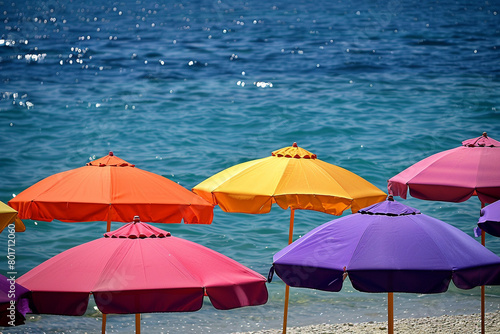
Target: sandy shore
[463,324]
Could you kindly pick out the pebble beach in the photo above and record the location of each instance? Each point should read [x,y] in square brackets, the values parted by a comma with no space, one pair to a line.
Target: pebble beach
[457,324]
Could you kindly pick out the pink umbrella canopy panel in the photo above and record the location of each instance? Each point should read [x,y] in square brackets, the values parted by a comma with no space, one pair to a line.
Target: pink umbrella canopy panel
[141,269]
[454,175]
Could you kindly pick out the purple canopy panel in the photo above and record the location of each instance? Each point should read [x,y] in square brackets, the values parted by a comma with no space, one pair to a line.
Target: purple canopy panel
[490,219]
[9,290]
[387,247]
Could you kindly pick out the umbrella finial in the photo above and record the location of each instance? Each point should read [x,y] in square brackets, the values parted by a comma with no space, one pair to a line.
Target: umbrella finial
[137,219]
[485,135]
[111,153]
[390,198]
[293,151]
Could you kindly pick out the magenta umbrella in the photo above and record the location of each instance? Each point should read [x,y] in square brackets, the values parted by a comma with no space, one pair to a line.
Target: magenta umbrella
[387,247]
[489,220]
[139,268]
[454,176]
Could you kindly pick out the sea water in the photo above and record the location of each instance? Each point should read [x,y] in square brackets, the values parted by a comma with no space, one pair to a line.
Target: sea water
[186,89]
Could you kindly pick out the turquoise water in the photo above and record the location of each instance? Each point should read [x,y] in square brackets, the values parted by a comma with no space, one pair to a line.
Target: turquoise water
[186,89]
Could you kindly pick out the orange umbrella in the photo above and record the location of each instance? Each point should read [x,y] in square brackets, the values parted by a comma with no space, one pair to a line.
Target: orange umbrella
[9,216]
[111,189]
[291,177]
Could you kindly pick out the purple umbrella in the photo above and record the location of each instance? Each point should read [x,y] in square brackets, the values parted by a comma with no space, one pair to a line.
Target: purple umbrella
[490,219]
[387,247]
[14,302]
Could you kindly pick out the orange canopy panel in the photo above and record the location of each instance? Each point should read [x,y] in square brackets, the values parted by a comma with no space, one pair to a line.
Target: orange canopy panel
[111,189]
[8,216]
[291,177]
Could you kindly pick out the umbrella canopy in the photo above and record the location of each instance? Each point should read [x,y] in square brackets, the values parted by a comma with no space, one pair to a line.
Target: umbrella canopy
[387,247]
[14,302]
[489,220]
[8,216]
[111,189]
[139,268]
[291,177]
[454,175]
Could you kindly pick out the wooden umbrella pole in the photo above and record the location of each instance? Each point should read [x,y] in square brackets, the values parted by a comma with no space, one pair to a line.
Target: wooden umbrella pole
[287,288]
[138,323]
[285,311]
[290,233]
[390,313]
[483,304]
[483,329]
[103,326]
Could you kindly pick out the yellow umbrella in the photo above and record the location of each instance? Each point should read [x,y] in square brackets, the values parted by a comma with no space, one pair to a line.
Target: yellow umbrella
[9,216]
[291,177]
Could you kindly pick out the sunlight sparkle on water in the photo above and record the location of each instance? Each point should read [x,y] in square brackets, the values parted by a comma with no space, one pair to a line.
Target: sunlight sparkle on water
[263,84]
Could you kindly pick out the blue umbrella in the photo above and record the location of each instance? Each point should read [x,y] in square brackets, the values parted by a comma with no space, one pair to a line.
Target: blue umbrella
[387,247]
[489,220]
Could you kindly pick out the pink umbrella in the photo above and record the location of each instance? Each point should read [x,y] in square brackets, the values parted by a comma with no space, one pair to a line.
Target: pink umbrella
[454,176]
[139,268]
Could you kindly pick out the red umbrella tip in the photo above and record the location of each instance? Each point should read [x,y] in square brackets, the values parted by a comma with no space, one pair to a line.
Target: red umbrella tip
[294,144]
[111,154]
[137,219]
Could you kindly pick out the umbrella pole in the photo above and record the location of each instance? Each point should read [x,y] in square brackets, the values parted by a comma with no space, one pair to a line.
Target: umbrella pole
[138,323]
[483,292]
[483,304]
[290,233]
[483,330]
[103,327]
[287,288]
[390,313]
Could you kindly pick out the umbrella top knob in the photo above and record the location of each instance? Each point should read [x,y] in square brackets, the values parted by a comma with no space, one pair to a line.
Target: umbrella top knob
[483,141]
[137,229]
[110,160]
[293,151]
[389,208]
